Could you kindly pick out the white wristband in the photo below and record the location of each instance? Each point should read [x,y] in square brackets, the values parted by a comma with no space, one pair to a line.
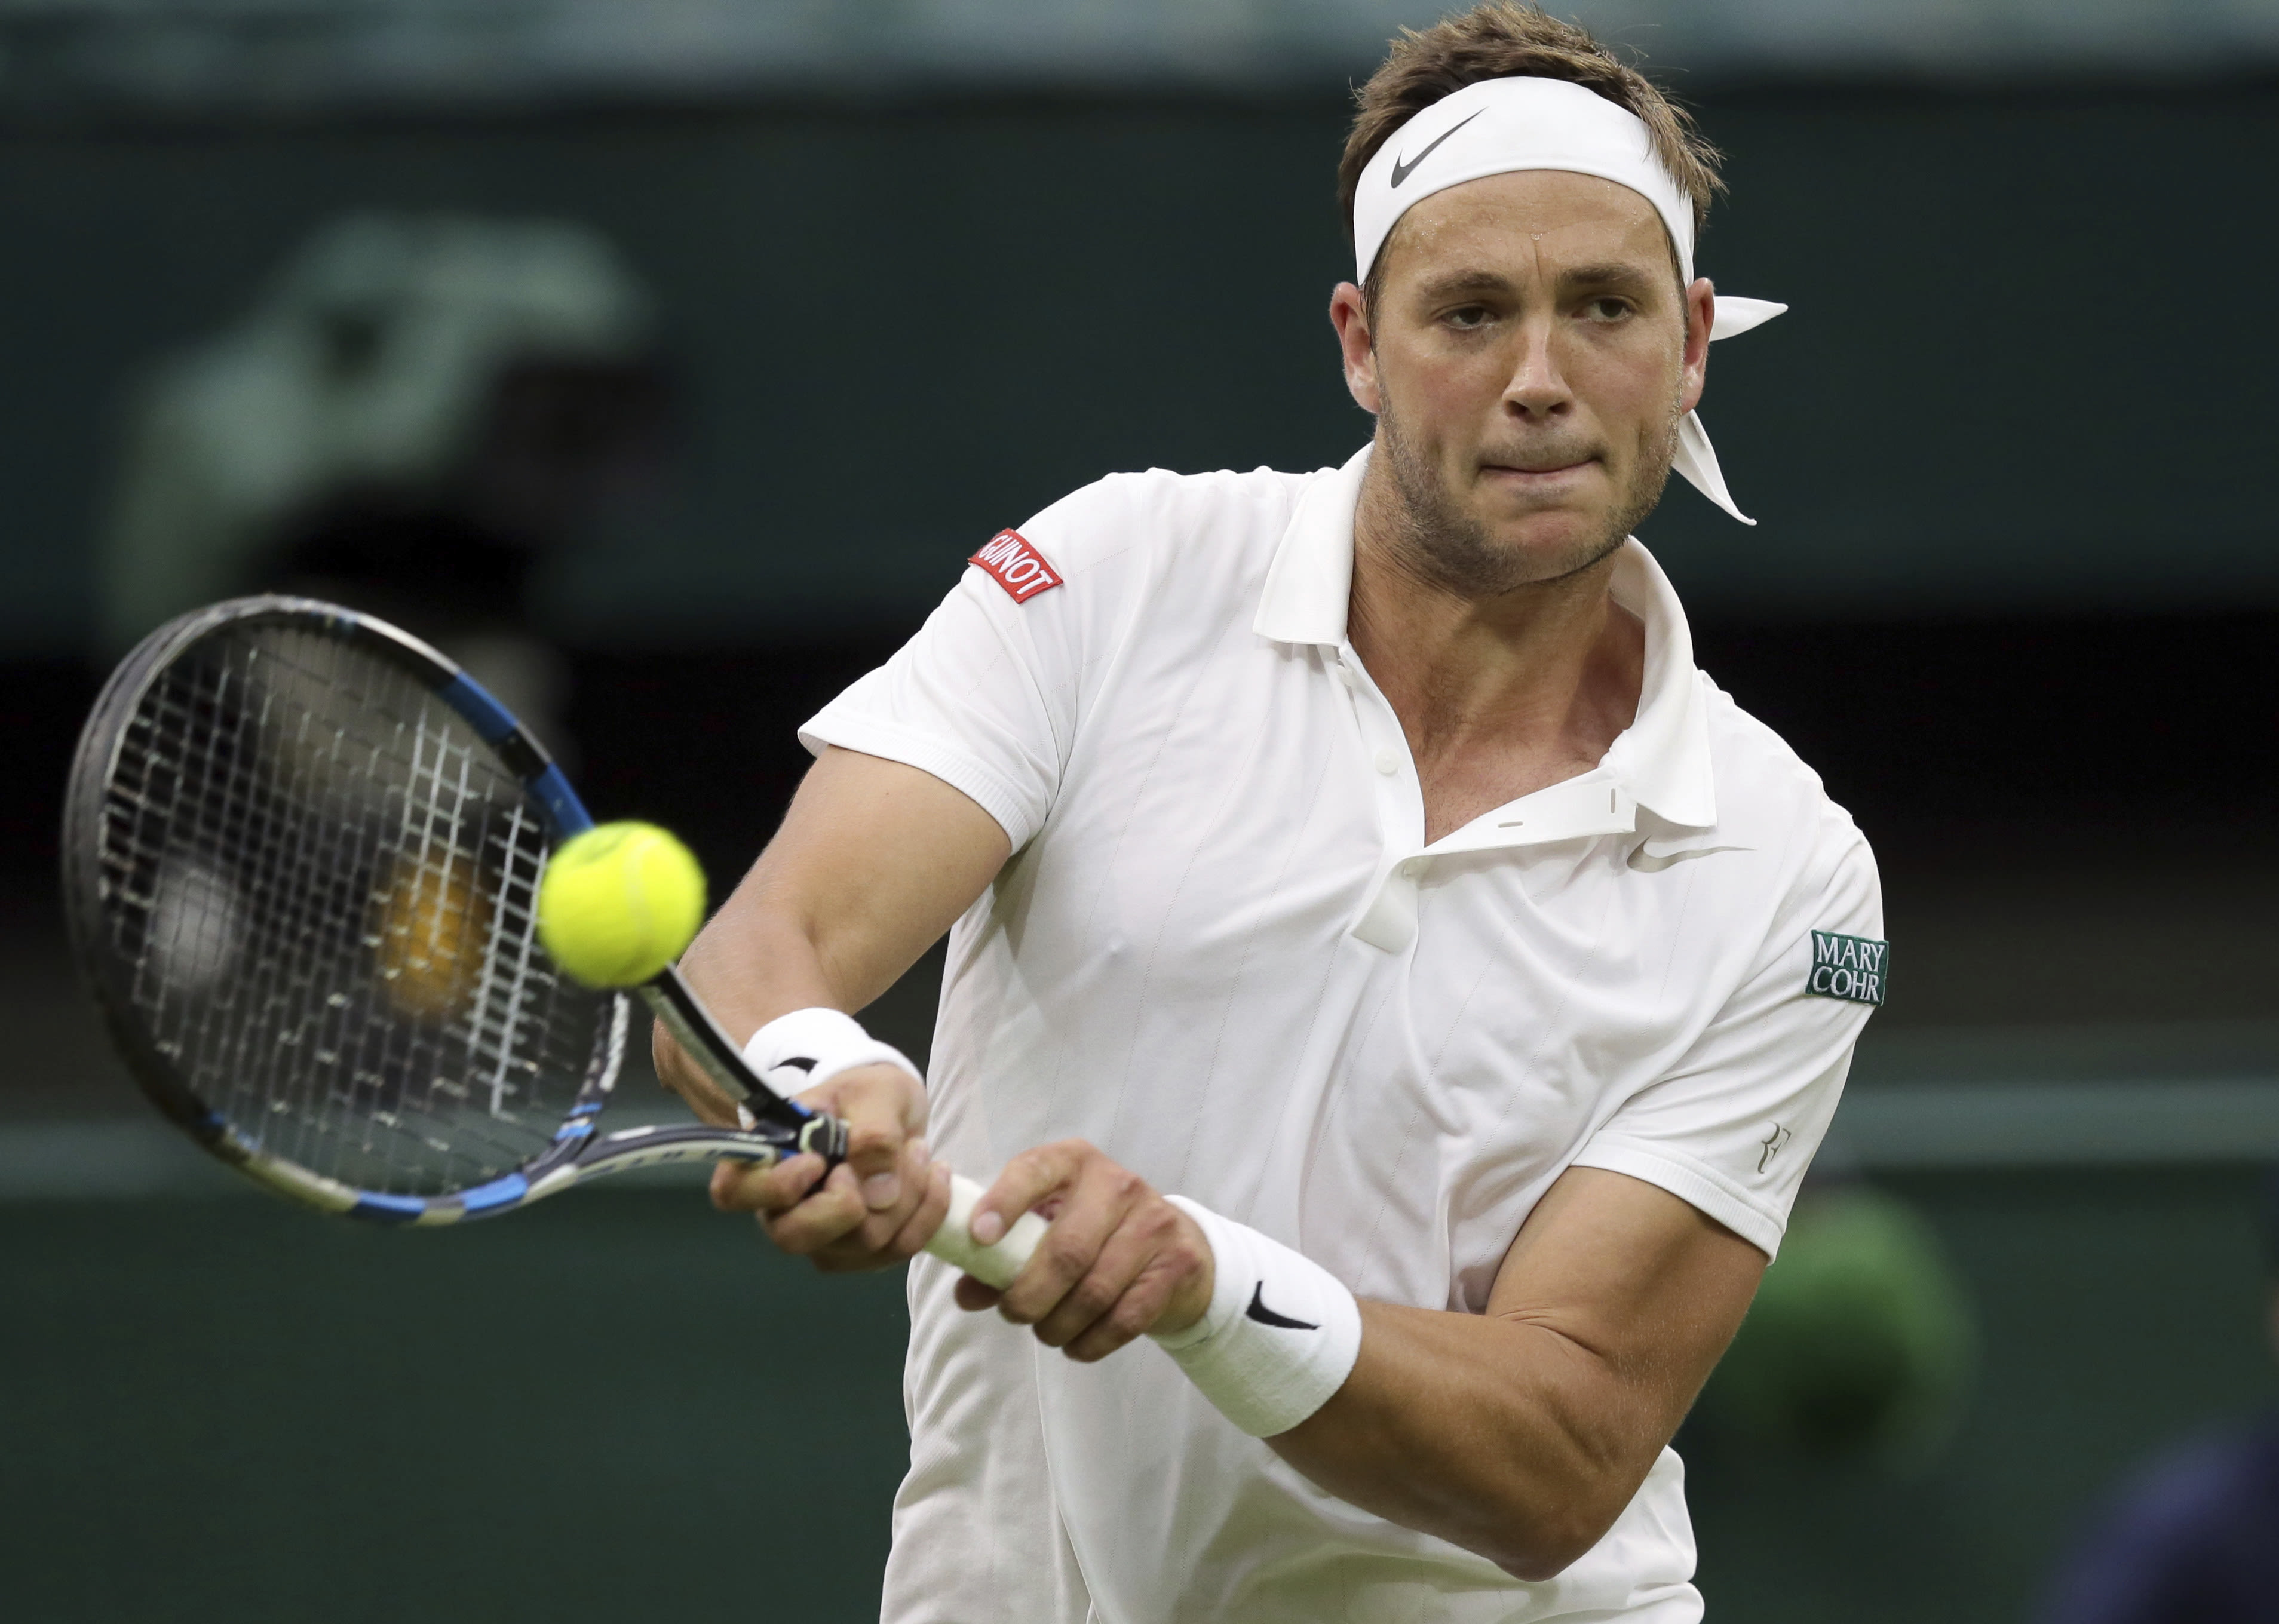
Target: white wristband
[795,1052]
[1281,1334]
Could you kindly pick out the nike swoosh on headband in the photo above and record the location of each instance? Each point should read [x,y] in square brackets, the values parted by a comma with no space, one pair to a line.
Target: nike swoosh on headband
[1647,862]
[1403,168]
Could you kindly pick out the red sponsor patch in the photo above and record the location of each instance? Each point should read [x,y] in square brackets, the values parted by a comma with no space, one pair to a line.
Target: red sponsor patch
[1016,566]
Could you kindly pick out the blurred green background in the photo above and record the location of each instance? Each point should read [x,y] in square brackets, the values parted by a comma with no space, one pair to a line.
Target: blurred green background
[619,1405]
[2014,593]
[900,327]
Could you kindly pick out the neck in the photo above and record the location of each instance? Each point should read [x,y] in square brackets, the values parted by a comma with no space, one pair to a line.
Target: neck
[1499,695]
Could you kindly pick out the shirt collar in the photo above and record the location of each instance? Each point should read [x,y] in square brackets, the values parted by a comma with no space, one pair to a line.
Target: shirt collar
[1662,757]
[1310,584]
[1664,753]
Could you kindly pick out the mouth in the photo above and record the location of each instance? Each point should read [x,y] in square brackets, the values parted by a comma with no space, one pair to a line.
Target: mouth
[1536,474]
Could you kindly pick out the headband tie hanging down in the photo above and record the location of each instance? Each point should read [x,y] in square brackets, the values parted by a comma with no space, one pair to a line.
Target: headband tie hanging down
[1501,126]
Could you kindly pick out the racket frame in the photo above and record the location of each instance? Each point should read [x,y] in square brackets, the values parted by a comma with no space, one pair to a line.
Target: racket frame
[781,1127]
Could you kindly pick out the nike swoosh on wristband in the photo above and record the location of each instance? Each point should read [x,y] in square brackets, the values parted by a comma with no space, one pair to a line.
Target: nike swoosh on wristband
[1645,862]
[1260,1311]
[1403,169]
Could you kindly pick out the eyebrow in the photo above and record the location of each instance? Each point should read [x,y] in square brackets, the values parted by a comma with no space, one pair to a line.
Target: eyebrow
[1456,282]
[1613,276]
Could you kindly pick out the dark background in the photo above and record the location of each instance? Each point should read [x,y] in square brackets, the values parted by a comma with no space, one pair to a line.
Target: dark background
[2014,592]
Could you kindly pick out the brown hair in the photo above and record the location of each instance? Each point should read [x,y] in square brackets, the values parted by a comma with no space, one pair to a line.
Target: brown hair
[1505,40]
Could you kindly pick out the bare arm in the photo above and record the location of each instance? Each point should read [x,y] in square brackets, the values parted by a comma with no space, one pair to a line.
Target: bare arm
[875,859]
[1521,1433]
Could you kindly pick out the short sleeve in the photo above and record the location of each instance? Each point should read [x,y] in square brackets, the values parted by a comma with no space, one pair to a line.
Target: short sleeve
[985,696]
[1731,1128]
[963,701]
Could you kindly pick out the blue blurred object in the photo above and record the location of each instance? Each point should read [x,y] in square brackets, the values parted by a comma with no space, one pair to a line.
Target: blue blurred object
[2194,1539]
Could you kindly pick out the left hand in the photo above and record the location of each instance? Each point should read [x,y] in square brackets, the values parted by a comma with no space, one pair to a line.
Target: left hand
[876,1209]
[1119,1261]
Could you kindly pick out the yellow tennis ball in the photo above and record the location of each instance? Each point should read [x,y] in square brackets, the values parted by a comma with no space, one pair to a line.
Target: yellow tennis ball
[619,903]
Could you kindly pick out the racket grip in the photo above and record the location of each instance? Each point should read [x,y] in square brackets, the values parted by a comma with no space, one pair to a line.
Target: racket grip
[954,1243]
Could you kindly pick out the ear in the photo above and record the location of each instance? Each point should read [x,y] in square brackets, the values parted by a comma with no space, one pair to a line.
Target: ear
[1700,313]
[1349,315]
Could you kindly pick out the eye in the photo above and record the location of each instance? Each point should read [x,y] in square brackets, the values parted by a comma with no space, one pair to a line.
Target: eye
[1607,308]
[1469,316]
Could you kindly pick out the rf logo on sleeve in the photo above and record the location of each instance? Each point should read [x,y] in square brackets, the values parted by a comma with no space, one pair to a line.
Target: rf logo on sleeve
[1849,967]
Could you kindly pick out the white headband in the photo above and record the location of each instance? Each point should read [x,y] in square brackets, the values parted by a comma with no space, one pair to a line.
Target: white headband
[1503,125]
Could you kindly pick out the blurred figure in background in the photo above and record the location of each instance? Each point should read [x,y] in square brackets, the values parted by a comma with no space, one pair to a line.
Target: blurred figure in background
[2195,1538]
[415,411]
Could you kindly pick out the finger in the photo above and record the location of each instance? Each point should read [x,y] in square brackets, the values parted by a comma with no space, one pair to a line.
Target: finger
[883,1240]
[1135,1312]
[933,1206]
[1091,1211]
[830,1211]
[1121,1326]
[1122,1257]
[869,1245]
[1027,1179]
[973,1296]
[748,1187]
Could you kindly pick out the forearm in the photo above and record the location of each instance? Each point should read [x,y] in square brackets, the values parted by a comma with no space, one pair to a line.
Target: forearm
[874,860]
[746,980]
[762,957]
[1502,1435]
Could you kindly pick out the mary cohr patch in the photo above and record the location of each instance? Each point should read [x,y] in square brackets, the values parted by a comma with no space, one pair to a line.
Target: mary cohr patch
[1850,966]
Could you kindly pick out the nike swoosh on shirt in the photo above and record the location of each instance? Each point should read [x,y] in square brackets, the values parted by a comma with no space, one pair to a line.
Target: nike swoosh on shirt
[1260,1311]
[1402,168]
[1648,863]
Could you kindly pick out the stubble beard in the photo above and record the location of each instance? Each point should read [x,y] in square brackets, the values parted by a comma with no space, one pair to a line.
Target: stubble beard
[1448,547]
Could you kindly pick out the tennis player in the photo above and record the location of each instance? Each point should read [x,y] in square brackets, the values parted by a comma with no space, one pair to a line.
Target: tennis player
[1412,989]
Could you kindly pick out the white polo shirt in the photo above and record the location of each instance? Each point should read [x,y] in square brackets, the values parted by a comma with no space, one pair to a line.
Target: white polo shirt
[1222,952]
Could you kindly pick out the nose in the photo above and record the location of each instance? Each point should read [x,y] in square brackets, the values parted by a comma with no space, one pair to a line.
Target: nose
[1537,388]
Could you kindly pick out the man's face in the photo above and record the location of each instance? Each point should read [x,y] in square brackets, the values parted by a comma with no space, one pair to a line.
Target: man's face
[1529,360]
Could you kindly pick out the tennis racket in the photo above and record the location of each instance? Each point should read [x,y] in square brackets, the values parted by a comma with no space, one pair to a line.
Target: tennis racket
[301,859]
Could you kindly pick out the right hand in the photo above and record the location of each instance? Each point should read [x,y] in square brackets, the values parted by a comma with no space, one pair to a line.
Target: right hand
[874,1210]
[1119,1261]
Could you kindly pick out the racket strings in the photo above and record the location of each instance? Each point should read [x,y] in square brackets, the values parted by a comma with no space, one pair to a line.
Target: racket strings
[326,882]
